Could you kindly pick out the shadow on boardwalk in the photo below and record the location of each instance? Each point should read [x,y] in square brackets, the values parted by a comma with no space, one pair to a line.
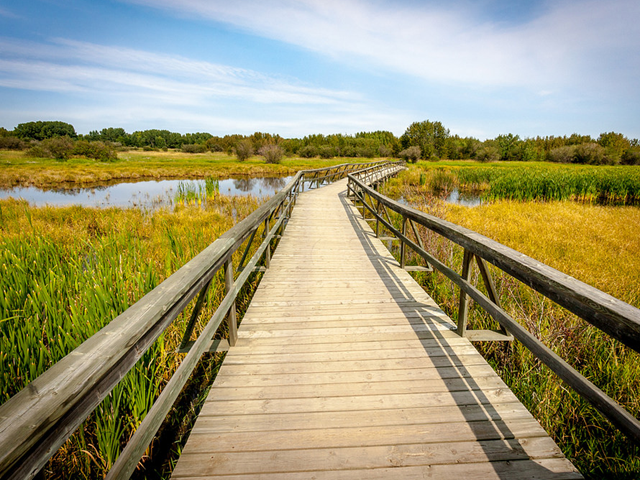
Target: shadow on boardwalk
[490,421]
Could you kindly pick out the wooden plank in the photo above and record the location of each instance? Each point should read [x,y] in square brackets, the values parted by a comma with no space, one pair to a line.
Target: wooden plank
[463,352]
[543,469]
[364,436]
[425,415]
[231,463]
[357,402]
[362,387]
[324,378]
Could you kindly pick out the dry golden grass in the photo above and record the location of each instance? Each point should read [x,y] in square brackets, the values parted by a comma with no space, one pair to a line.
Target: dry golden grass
[598,245]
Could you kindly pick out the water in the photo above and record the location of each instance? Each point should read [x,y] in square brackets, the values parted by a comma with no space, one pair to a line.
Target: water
[466,199]
[140,194]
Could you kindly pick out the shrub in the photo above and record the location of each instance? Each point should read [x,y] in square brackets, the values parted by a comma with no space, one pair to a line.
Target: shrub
[348,151]
[411,154]
[591,154]
[327,152]
[194,148]
[384,151]
[36,150]
[59,148]
[308,152]
[102,151]
[271,153]
[631,156]
[487,154]
[365,152]
[12,143]
[243,149]
[564,154]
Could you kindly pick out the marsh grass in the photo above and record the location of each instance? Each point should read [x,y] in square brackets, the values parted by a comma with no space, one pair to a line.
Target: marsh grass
[16,169]
[619,185]
[189,193]
[66,272]
[596,244]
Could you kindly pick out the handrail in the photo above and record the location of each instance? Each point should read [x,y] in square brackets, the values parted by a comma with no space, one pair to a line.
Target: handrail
[36,421]
[615,317]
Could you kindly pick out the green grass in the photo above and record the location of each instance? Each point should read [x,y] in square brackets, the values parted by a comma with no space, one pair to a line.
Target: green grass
[18,169]
[532,181]
[66,272]
[596,244]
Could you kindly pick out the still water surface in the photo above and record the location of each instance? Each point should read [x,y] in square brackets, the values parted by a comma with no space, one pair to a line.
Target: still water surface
[162,192]
[140,194]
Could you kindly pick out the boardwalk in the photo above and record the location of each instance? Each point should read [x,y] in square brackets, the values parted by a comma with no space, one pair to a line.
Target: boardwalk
[345,368]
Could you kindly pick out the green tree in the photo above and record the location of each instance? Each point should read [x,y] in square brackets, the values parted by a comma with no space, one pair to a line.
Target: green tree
[429,136]
[614,144]
[43,130]
[507,146]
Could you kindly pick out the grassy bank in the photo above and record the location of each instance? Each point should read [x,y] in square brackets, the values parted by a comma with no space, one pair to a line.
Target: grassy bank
[531,181]
[18,169]
[596,244]
[66,272]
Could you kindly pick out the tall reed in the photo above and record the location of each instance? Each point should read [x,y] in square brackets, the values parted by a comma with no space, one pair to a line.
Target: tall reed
[66,272]
[592,184]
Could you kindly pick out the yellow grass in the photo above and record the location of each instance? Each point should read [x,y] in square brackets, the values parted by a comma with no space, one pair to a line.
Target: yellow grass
[596,244]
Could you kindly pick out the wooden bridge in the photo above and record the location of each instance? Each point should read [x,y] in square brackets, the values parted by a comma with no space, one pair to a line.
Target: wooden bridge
[342,367]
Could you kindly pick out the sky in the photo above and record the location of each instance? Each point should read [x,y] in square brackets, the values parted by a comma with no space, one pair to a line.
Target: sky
[300,67]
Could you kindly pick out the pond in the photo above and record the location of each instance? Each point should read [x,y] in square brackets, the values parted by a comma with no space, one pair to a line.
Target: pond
[145,194]
[466,199]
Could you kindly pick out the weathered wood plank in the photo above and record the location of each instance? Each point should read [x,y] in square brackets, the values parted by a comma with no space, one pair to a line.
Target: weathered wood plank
[544,469]
[231,463]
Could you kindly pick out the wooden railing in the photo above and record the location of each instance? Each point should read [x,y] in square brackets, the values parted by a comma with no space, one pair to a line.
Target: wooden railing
[40,418]
[614,317]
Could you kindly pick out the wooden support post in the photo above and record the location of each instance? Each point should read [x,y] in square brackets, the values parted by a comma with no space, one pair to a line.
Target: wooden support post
[232,321]
[378,219]
[402,244]
[491,287]
[194,316]
[267,254]
[463,308]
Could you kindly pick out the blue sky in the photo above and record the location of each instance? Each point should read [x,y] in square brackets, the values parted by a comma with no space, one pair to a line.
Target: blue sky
[482,68]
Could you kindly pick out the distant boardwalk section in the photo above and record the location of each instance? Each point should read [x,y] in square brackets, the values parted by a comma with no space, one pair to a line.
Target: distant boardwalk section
[345,368]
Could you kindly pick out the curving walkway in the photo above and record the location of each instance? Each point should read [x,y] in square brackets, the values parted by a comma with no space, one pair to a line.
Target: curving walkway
[346,369]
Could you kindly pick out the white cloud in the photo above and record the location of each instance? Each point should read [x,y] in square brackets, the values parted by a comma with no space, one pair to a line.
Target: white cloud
[67,66]
[140,89]
[565,44]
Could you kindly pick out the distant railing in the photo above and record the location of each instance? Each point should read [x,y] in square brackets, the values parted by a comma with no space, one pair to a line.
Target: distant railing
[614,317]
[36,421]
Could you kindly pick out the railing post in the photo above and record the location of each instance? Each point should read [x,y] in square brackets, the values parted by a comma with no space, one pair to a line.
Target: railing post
[378,219]
[267,258]
[463,308]
[402,244]
[232,321]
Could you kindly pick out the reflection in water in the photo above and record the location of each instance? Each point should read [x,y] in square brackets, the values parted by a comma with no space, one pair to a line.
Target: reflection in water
[274,183]
[244,184]
[147,194]
[466,199]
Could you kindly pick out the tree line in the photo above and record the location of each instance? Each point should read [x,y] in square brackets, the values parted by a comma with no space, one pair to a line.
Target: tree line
[426,140]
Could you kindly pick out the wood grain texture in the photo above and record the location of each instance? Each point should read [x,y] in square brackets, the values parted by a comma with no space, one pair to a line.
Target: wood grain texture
[346,368]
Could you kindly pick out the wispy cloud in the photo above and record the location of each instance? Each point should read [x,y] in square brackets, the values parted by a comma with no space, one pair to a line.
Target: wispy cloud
[566,42]
[123,83]
[67,66]
[8,14]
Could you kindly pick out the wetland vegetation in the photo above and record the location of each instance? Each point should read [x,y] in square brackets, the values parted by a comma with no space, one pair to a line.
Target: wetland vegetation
[67,271]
